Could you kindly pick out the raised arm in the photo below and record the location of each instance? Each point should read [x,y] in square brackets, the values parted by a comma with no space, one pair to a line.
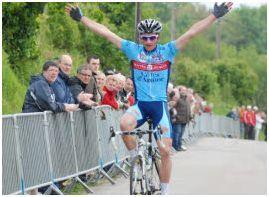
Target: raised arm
[200,26]
[97,28]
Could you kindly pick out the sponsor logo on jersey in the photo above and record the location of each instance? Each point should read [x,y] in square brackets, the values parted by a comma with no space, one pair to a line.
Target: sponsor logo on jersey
[150,67]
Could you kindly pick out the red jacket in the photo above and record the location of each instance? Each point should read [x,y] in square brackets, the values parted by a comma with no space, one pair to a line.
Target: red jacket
[249,118]
[242,115]
[131,100]
[254,119]
[110,98]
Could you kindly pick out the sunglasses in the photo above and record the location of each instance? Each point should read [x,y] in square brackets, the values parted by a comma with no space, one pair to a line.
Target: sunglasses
[85,75]
[151,38]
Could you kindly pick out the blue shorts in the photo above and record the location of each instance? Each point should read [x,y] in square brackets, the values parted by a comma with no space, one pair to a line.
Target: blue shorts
[155,110]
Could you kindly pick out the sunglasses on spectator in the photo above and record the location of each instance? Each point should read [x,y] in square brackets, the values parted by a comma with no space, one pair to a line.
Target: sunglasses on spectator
[85,75]
[151,38]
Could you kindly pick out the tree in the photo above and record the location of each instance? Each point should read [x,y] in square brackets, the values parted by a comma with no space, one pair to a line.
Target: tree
[19,34]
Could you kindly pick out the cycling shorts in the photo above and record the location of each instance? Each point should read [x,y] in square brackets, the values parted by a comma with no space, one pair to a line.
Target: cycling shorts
[157,111]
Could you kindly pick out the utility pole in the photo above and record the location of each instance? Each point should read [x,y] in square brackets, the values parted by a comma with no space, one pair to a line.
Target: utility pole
[218,38]
[137,20]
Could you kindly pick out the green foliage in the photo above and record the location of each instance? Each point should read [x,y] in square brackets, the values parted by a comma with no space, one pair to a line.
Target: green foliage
[19,35]
[36,32]
[237,77]
[194,75]
[63,31]
[13,90]
[199,49]
[245,27]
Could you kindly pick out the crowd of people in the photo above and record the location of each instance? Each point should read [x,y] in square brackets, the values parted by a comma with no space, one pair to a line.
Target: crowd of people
[184,104]
[57,91]
[252,121]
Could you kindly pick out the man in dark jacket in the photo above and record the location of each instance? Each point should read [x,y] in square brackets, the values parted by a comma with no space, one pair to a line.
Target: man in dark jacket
[60,86]
[94,63]
[183,116]
[78,84]
[40,95]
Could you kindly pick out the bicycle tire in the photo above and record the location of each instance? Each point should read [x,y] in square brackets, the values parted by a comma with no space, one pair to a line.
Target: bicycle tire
[138,183]
[154,176]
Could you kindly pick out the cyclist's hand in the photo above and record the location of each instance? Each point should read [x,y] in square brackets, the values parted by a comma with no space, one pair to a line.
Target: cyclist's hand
[74,12]
[221,10]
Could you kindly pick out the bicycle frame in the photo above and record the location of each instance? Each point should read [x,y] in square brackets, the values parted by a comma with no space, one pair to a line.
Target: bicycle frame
[146,160]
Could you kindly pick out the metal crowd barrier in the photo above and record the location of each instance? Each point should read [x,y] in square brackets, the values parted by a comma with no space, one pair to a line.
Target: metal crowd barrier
[39,149]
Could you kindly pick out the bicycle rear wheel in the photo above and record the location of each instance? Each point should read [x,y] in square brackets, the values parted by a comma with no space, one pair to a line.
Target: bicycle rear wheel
[138,183]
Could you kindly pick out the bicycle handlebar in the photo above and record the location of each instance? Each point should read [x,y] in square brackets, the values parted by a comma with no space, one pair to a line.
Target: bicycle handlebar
[137,132]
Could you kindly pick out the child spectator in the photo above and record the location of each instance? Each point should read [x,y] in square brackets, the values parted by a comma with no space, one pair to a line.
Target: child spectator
[109,93]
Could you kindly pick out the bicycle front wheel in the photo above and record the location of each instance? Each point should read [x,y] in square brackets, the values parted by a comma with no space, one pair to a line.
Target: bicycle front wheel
[138,184]
[154,176]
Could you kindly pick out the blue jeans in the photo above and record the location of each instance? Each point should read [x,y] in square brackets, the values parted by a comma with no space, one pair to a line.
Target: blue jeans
[178,131]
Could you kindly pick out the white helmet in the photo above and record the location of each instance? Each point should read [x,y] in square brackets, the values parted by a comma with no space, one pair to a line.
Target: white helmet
[149,26]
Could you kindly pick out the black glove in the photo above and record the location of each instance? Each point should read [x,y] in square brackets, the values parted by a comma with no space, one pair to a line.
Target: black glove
[76,13]
[220,10]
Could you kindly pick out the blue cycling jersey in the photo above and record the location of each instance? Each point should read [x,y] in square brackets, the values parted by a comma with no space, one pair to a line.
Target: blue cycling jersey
[150,69]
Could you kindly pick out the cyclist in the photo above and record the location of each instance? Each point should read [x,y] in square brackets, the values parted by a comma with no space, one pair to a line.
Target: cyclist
[150,63]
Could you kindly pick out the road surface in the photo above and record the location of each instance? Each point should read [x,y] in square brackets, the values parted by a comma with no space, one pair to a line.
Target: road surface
[211,166]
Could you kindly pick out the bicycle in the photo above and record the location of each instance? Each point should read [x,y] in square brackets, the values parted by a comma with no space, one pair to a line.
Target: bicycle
[145,166]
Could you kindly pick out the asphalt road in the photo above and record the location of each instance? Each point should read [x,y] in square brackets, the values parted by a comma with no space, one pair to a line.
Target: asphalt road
[215,166]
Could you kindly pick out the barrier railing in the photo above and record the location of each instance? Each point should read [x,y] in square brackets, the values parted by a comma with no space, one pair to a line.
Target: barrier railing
[39,149]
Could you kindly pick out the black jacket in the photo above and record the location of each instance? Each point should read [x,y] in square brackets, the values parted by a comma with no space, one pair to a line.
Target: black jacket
[76,87]
[40,97]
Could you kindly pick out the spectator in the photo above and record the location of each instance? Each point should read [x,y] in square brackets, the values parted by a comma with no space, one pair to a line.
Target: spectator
[242,124]
[40,96]
[233,114]
[110,72]
[173,98]
[208,108]
[190,96]
[197,109]
[94,64]
[259,122]
[78,85]
[120,83]
[253,122]
[60,86]
[249,122]
[183,116]
[126,94]
[170,88]
[264,125]
[110,95]
[100,80]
